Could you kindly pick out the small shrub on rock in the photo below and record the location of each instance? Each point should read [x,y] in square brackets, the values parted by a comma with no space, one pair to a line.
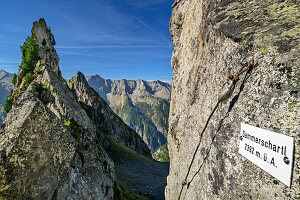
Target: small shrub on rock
[52,37]
[27,79]
[76,133]
[8,104]
[14,80]
[30,54]
[37,70]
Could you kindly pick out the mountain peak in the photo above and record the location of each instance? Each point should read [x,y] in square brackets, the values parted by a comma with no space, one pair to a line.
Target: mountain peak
[2,73]
[98,77]
[143,105]
[40,31]
[81,77]
[45,41]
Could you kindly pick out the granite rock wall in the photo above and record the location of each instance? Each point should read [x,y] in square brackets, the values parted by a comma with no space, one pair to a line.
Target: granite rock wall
[209,38]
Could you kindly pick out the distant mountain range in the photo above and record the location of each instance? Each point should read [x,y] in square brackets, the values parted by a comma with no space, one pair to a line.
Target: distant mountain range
[143,105]
[5,87]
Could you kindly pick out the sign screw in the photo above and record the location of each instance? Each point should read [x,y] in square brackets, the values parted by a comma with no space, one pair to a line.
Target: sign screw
[286,160]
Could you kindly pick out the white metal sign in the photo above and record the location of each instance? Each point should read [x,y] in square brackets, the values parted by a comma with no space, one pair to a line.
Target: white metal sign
[273,152]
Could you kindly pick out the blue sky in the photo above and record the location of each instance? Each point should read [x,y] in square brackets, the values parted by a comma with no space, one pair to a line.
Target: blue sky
[113,38]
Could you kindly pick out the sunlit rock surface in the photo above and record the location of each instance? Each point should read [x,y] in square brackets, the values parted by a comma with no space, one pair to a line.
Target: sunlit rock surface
[209,39]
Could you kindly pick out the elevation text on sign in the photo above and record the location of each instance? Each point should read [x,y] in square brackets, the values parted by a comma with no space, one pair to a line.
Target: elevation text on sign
[268,150]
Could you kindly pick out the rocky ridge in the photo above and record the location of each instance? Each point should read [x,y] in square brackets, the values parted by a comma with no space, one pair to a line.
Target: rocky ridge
[143,105]
[105,119]
[49,146]
[209,38]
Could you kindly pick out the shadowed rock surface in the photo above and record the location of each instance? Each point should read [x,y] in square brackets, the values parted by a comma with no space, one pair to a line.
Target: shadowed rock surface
[209,39]
[143,105]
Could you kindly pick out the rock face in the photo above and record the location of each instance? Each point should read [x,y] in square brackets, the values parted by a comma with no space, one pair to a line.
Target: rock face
[143,105]
[209,38]
[105,119]
[49,147]
[5,87]
[47,52]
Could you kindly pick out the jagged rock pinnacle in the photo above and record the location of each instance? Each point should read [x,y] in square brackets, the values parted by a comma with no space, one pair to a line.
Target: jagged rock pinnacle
[41,33]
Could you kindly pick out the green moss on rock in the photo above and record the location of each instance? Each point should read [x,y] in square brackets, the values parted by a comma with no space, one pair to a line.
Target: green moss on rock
[76,132]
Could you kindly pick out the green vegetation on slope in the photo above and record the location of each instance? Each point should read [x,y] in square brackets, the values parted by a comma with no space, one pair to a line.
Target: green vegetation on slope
[53,42]
[14,80]
[30,54]
[27,79]
[142,124]
[115,147]
[142,105]
[8,104]
[162,154]
[29,59]
[76,133]
[123,194]
[157,112]
[135,172]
